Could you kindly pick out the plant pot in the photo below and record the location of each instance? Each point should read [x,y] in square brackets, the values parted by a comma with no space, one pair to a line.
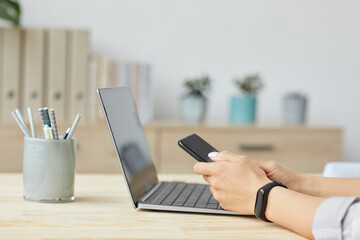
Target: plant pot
[294,110]
[243,109]
[193,108]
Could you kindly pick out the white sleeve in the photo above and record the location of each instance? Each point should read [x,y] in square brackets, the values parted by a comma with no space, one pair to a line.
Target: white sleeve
[337,218]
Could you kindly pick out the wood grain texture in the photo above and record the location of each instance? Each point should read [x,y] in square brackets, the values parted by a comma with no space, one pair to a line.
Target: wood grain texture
[302,148]
[95,150]
[102,210]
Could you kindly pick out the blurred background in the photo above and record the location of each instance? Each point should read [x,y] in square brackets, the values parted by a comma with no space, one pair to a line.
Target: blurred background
[296,49]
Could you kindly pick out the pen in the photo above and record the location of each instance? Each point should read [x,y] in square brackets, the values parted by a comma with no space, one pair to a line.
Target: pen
[20,117]
[66,133]
[32,125]
[42,117]
[74,125]
[23,129]
[46,115]
[53,123]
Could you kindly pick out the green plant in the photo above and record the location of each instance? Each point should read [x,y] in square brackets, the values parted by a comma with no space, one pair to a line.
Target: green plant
[197,86]
[295,95]
[249,84]
[10,10]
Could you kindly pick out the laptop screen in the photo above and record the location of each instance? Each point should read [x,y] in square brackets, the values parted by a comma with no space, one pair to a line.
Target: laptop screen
[129,140]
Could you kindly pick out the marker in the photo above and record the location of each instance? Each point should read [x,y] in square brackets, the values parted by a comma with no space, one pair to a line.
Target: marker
[48,132]
[46,115]
[23,129]
[32,125]
[18,113]
[66,133]
[42,117]
[53,123]
[74,125]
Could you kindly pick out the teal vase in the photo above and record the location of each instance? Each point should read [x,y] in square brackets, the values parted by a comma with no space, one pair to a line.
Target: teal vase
[243,109]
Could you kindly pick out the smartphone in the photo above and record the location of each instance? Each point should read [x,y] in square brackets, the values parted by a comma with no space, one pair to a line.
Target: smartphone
[197,147]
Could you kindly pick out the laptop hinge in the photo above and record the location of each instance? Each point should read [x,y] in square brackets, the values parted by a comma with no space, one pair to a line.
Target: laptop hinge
[149,193]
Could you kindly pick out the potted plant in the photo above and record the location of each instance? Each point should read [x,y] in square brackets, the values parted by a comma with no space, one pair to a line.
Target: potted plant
[243,106]
[10,11]
[294,108]
[194,102]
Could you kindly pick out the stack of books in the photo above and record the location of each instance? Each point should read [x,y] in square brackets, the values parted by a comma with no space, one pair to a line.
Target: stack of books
[53,67]
[106,72]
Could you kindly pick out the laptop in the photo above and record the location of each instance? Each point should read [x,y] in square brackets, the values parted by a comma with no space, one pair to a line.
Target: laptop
[146,192]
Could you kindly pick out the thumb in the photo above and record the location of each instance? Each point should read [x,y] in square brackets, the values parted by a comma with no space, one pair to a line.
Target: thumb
[266,166]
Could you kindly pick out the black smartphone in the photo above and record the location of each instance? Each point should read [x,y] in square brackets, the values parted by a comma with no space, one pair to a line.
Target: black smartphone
[197,147]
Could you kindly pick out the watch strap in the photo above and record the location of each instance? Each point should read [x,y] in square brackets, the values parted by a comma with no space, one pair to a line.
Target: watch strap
[262,198]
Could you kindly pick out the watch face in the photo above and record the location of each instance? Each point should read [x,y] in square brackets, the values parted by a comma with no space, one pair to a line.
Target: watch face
[259,202]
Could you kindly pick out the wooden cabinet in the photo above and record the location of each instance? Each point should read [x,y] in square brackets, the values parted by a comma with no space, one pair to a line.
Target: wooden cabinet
[302,148]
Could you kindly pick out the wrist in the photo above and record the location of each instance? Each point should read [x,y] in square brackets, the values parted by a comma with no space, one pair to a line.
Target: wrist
[301,183]
[307,185]
[272,206]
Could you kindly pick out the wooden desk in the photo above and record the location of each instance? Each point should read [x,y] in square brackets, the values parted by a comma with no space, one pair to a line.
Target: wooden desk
[103,210]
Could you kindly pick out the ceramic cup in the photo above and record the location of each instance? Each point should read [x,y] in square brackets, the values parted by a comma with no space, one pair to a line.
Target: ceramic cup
[49,169]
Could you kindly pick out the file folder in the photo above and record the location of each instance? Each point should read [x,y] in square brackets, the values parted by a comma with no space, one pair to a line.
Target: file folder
[10,72]
[78,52]
[33,65]
[56,71]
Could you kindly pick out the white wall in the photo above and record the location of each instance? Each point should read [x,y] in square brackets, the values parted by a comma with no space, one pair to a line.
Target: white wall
[312,46]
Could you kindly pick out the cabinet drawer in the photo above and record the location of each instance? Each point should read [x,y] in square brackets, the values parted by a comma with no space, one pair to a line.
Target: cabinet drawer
[304,150]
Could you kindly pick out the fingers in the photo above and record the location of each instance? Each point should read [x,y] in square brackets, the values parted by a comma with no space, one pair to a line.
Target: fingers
[202,168]
[206,178]
[223,156]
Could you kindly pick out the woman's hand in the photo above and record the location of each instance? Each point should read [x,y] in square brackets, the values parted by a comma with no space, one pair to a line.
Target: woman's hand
[276,171]
[234,180]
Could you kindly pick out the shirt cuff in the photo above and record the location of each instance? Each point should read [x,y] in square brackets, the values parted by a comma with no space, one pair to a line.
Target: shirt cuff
[327,223]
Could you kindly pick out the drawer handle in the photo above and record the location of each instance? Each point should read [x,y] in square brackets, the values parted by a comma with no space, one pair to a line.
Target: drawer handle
[256,147]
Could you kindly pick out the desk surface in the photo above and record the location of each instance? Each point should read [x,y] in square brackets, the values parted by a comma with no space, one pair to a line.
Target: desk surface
[102,209]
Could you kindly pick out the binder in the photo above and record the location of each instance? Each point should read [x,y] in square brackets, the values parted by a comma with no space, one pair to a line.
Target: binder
[124,74]
[33,66]
[78,52]
[102,80]
[135,75]
[114,73]
[1,69]
[145,97]
[11,72]
[92,86]
[56,71]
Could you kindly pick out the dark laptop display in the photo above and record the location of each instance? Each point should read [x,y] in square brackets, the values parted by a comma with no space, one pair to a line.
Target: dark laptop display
[129,139]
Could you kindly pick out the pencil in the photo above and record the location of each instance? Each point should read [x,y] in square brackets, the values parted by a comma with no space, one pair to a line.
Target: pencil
[20,117]
[74,125]
[53,123]
[66,133]
[42,117]
[46,116]
[32,125]
[23,129]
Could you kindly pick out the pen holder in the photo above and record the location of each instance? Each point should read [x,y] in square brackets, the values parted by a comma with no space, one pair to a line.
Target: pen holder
[49,169]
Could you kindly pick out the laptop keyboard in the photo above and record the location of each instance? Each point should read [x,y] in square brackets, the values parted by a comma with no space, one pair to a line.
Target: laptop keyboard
[184,194]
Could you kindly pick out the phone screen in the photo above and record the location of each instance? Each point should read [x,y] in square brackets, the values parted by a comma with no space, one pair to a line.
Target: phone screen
[197,147]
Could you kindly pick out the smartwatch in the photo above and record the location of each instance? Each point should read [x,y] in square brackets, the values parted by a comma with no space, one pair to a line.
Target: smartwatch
[262,197]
